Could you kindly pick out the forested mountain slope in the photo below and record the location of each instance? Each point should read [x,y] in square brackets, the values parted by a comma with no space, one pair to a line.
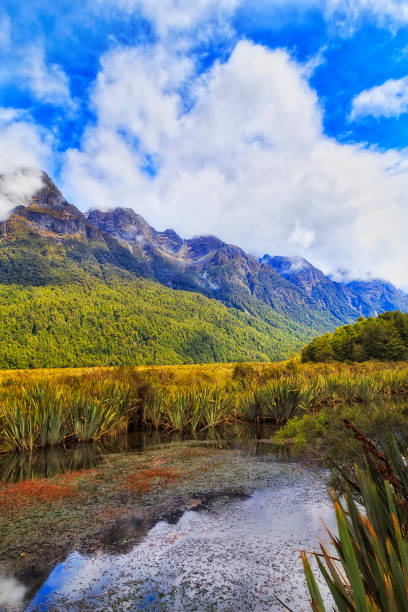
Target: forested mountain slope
[105,287]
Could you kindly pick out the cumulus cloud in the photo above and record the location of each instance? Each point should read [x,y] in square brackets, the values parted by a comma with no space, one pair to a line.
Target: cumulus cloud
[247,161]
[387,100]
[23,144]
[48,82]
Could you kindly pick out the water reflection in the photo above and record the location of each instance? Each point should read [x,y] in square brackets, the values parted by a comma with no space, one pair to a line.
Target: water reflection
[254,439]
[231,554]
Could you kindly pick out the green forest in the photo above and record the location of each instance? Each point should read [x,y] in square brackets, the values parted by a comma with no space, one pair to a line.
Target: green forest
[384,337]
[77,302]
[134,323]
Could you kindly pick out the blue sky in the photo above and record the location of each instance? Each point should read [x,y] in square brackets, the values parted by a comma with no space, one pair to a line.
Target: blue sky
[281,126]
[75,36]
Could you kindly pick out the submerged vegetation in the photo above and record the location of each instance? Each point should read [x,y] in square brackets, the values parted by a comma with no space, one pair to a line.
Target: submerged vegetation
[46,408]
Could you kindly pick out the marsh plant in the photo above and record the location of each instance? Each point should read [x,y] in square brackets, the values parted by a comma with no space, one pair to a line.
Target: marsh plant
[368,570]
[191,409]
[44,415]
[41,409]
[279,400]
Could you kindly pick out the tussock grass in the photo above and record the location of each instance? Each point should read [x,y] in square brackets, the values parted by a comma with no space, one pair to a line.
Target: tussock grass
[44,415]
[43,408]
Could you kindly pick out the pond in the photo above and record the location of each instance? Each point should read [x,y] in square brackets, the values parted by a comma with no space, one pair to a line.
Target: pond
[254,439]
[233,550]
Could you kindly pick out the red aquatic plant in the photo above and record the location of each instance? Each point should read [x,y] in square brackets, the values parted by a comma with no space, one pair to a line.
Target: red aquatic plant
[143,480]
[68,477]
[20,495]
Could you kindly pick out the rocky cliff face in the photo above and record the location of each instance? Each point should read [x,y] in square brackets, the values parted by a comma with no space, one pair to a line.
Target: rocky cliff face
[47,212]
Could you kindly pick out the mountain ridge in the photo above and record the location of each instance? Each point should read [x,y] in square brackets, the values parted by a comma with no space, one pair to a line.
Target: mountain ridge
[49,242]
[345,300]
[207,264]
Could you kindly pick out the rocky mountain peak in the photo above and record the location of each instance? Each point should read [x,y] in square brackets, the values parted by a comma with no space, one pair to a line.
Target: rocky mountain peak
[288,265]
[47,211]
[122,223]
[200,246]
[289,285]
[49,195]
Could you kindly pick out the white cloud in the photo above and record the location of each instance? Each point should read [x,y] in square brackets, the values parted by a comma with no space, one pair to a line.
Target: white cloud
[301,237]
[8,115]
[387,100]
[182,24]
[26,65]
[17,187]
[48,82]
[180,15]
[24,149]
[387,12]
[22,144]
[248,162]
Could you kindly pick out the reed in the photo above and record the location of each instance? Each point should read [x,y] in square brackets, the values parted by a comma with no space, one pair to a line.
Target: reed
[217,408]
[285,399]
[191,409]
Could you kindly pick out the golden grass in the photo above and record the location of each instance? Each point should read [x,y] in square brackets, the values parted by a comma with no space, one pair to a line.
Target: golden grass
[180,375]
[49,406]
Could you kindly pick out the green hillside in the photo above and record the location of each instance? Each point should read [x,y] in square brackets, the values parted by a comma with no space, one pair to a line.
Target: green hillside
[87,301]
[384,338]
[139,322]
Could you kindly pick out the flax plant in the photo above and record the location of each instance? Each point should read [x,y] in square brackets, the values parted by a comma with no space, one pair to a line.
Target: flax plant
[368,570]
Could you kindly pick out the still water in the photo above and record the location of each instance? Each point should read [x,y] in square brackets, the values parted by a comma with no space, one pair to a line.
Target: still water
[230,554]
[48,462]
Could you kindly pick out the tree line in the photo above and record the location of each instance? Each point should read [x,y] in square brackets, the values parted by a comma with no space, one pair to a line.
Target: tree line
[384,337]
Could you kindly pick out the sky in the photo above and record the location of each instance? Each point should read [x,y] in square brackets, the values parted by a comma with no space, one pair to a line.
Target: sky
[280,126]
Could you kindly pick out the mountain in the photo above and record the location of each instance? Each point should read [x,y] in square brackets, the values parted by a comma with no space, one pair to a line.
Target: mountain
[208,265]
[72,294]
[346,301]
[373,297]
[107,288]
